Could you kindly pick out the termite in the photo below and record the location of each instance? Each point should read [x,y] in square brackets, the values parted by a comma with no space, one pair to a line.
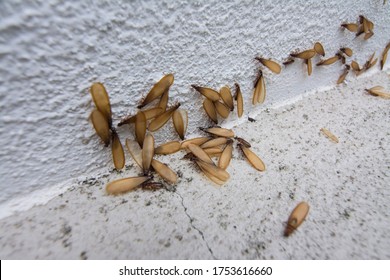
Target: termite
[207,92]
[259,92]
[253,159]
[378,91]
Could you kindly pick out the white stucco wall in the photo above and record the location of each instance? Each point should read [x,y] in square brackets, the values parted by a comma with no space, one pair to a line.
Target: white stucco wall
[52,51]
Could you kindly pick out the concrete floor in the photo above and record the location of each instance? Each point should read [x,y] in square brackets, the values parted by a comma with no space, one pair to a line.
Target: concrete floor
[346,184]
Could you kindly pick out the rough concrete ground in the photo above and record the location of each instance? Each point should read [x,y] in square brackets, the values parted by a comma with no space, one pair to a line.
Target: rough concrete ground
[346,184]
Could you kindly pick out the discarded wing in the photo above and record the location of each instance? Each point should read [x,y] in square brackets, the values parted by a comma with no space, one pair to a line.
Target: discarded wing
[353,27]
[213,172]
[226,96]
[347,51]
[140,127]
[180,122]
[207,92]
[296,218]
[158,89]
[101,100]
[149,114]
[168,148]
[196,141]
[240,101]
[378,91]
[200,153]
[219,131]
[307,54]
[222,109]
[330,135]
[164,171]
[162,119]
[319,49]
[214,142]
[214,151]
[226,156]
[309,66]
[211,112]
[253,159]
[135,151]
[163,103]
[355,66]
[118,156]
[384,55]
[125,184]
[328,61]
[101,126]
[127,120]
[271,65]
[147,152]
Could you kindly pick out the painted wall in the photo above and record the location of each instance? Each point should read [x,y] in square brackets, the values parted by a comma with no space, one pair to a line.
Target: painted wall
[52,51]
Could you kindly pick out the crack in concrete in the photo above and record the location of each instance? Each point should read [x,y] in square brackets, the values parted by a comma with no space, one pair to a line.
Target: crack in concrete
[194,227]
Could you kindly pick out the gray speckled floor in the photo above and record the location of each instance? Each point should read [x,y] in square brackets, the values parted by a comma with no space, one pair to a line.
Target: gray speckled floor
[347,186]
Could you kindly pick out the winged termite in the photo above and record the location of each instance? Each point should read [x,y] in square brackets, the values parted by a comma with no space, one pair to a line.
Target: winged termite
[309,66]
[162,119]
[158,89]
[213,170]
[209,175]
[353,27]
[319,49]
[149,114]
[135,151]
[243,142]
[253,159]
[347,51]
[207,92]
[222,109]
[180,122]
[147,152]
[200,153]
[384,55]
[140,127]
[307,54]
[214,142]
[168,148]
[240,101]
[118,155]
[152,186]
[102,101]
[226,156]
[163,103]
[226,96]
[370,62]
[101,126]
[343,75]
[211,112]
[164,171]
[296,217]
[196,141]
[330,135]
[127,120]
[125,184]
[219,131]
[378,91]
[271,65]
[259,92]
[329,61]
[289,61]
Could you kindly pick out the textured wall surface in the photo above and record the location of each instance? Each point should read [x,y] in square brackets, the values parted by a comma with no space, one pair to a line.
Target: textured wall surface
[52,51]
